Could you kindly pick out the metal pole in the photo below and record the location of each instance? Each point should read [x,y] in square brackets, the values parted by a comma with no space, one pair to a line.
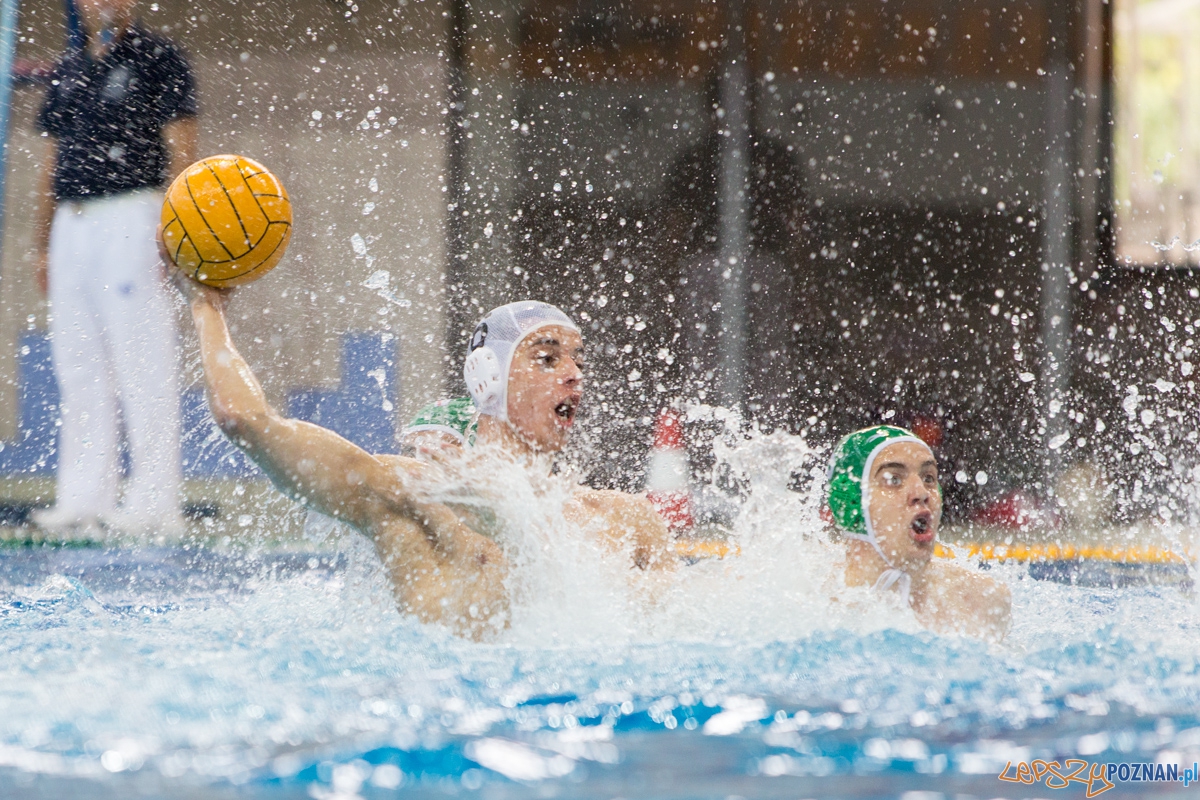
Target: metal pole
[76,38]
[8,52]
[1130,90]
[457,293]
[733,205]
[1055,301]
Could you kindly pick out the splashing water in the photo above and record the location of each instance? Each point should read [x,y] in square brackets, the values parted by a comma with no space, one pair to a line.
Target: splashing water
[380,282]
[568,590]
[1188,248]
[308,682]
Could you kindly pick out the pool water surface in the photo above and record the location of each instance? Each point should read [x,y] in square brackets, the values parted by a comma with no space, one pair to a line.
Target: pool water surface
[176,673]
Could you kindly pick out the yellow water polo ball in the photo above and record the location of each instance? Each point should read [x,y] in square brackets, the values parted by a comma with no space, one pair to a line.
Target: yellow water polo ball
[226,220]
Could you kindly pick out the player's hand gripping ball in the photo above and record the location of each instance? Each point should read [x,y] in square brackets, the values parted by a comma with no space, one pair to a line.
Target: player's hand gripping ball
[226,220]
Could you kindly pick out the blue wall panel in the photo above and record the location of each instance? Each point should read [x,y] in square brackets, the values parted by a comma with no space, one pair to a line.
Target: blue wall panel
[361,409]
[34,451]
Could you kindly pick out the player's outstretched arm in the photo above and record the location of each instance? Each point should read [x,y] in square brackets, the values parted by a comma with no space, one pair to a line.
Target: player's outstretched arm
[441,570]
[305,461]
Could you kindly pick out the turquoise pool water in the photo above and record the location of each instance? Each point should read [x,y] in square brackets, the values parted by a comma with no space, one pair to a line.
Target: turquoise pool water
[173,673]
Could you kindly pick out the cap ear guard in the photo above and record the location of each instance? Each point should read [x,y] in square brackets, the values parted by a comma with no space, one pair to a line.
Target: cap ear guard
[485,381]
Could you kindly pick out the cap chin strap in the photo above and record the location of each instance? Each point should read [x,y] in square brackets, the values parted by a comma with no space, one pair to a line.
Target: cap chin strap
[892,576]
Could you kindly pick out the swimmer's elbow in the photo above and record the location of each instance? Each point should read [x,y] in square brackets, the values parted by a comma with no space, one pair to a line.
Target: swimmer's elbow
[241,424]
[653,556]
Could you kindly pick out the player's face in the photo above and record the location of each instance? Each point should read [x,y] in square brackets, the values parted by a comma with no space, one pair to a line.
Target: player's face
[905,504]
[545,386]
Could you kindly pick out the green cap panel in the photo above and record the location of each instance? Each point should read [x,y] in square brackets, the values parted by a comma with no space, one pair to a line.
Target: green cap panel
[456,417]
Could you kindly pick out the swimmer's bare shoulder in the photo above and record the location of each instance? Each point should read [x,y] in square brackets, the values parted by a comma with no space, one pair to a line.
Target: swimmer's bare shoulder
[441,570]
[953,599]
[625,521]
[622,522]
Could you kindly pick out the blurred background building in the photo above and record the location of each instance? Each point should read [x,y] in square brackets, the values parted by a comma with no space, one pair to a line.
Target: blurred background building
[866,210]
[1157,175]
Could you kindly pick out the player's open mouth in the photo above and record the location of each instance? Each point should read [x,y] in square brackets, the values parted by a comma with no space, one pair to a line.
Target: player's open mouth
[921,528]
[566,411]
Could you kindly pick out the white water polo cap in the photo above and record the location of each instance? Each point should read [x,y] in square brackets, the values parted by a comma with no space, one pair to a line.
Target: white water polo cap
[495,340]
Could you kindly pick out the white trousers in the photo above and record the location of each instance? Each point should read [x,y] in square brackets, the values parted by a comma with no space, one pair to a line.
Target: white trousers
[115,348]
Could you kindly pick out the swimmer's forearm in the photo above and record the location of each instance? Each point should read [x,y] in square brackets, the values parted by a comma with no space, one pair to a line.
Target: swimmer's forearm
[983,604]
[998,610]
[626,520]
[957,600]
[235,396]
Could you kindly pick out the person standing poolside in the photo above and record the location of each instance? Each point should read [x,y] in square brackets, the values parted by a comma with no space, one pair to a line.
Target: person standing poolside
[120,117]
[886,502]
[523,373]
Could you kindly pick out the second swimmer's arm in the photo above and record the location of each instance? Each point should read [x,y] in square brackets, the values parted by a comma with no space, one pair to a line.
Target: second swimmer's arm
[626,521]
[950,598]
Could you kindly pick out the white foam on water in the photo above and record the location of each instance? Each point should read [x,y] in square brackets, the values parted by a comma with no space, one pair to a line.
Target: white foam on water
[566,588]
